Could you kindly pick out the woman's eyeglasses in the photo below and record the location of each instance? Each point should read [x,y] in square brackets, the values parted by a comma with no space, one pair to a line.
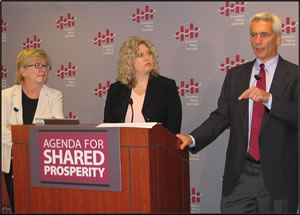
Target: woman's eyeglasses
[40,66]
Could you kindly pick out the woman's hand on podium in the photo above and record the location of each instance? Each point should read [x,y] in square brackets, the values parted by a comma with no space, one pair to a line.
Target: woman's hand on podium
[9,127]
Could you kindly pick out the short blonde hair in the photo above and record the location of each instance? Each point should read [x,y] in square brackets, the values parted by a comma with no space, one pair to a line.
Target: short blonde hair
[128,53]
[25,57]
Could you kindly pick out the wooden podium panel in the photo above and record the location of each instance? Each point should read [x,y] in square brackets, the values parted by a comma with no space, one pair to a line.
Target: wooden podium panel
[154,177]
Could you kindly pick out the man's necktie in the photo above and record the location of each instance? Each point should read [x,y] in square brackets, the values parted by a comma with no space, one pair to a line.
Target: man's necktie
[257,116]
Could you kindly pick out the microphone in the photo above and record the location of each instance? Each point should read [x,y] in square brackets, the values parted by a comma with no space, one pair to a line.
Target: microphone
[16,110]
[130,101]
[257,77]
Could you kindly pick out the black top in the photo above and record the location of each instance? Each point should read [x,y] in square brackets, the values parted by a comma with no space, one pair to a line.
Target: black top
[29,107]
[162,103]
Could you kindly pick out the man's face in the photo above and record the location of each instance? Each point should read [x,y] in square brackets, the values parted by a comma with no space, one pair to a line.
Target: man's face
[263,40]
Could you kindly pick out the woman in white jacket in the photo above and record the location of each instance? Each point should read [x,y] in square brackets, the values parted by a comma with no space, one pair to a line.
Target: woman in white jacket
[27,100]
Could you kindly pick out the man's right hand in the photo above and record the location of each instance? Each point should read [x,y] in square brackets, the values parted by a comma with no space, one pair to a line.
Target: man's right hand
[186,140]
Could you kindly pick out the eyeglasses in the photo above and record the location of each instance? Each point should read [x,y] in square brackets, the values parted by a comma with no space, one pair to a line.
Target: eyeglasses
[40,66]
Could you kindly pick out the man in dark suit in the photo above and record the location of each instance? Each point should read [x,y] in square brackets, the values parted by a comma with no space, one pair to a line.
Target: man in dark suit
[266,181]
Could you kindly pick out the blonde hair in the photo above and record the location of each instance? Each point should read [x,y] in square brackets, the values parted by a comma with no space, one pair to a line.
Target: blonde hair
[268,17]
[25,57]
[128,53]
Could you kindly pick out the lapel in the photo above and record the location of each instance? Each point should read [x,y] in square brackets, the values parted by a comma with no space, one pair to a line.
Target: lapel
[277,88]
[124,101]
[43,102]
[150,92]
[17,103]
[243,84]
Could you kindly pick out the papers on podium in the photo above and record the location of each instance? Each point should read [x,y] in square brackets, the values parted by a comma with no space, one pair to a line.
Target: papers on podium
[132,125]
[49,121]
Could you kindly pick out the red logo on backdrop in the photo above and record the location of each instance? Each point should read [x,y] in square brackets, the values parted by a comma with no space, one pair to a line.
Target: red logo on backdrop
[71,116]
[230,64]
[195,196]
[145,15]
[192,88]
[32,43]
[74,157]
[3,26]
[192,32]
[104,38]
[102,89]
[290,26]
[66,70]
[3,72]
[65,22]
[237,7]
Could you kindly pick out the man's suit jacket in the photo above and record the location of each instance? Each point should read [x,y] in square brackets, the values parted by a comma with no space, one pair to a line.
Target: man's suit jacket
[279,131]
[162,103]
[50,103]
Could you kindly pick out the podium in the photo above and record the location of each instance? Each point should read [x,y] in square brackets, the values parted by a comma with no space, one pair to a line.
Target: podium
[154,177]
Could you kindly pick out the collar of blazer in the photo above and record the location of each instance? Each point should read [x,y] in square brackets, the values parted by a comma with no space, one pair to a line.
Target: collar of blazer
[281,76]
[125,92]
[17,97]
[152,87]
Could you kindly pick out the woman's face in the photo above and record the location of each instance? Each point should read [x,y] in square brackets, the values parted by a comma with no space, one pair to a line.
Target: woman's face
[144,62]
[35,72]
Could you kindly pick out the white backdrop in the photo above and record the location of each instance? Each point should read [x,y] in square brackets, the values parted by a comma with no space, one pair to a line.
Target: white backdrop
[197,43]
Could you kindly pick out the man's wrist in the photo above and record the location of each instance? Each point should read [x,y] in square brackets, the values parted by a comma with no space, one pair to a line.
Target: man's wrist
[193,144]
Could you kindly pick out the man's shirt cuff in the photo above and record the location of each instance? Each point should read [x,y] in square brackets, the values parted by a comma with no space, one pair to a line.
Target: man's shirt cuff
[193,144]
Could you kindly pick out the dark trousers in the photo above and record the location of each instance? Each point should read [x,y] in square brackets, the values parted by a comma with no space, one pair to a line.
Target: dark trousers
[251,195]
[9,181]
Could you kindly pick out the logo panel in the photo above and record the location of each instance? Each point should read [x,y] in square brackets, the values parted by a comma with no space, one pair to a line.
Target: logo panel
[68,73]
[146,14]
[62,22]
[231,64]
[3,30]
[105,41]
[32,43]
[107,38]
[195,200]
[67,25]
[192,32]
[3,72]
[3,26]
[4,76]
[144,18]
[191,89]
[289,32]
[189,36]
[236,8]
[102,89]
[71,116]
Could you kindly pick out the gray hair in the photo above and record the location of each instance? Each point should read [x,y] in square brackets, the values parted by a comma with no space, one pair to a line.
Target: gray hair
[268,17]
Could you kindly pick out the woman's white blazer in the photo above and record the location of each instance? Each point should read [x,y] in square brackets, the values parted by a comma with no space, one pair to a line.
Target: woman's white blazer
[50,104]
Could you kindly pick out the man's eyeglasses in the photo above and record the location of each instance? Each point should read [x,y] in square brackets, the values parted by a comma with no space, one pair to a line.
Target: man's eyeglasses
[40,66]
